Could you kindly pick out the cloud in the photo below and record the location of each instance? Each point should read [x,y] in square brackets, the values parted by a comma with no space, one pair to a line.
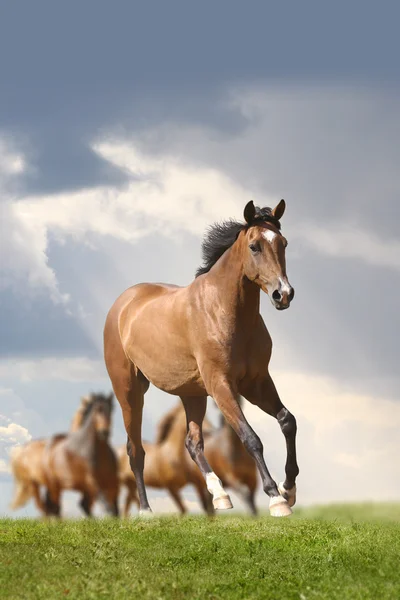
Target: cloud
[78,369]
[349,242]
[23,243]
[11,437]
[180,178]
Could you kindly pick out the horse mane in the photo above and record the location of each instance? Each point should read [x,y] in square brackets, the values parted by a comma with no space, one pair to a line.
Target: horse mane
[221,236]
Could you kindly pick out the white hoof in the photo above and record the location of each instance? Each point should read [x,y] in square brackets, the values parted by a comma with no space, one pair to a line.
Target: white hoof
[290,495]
[279,507]
[146,513]
[222,503]
[221,500]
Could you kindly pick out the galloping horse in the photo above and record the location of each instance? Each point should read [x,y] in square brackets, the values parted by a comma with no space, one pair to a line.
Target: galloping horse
[167,465]
[83,460]
[208,339]
[28,468]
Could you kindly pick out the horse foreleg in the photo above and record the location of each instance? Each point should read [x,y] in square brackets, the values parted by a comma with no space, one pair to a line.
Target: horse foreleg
[195,408]
[52,501]
[226,399]
[266,397]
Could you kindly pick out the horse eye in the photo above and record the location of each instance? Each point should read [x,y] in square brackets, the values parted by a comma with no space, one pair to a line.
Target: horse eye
[254,248]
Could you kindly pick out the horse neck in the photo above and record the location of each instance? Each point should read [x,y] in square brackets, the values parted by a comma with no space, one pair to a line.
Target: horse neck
[83,440]
[238,297]
[77,420]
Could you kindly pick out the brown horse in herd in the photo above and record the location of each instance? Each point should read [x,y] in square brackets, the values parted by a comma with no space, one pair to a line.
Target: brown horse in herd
[81,460]
[169,466]
[208,339]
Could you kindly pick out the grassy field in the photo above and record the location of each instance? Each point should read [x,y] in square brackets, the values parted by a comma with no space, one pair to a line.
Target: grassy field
[331,552]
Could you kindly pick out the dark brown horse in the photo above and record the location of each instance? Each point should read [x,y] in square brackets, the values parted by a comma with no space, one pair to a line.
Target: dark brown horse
[208,339]
[83,460]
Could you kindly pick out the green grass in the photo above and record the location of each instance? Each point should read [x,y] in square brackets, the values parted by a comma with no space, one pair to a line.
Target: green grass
[331,552]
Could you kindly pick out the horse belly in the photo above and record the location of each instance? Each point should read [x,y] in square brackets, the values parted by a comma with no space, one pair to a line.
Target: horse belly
[167,367]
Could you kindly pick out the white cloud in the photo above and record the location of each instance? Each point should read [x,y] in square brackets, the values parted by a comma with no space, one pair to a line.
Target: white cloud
[23,243]
[200,177]
[11,437]
[352,242]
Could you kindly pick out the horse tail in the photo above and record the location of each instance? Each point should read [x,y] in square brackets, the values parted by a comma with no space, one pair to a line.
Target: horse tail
[23,489]
[23,493]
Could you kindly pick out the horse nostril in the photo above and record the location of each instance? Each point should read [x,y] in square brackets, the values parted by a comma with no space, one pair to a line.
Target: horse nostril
[276,295]
[291,295]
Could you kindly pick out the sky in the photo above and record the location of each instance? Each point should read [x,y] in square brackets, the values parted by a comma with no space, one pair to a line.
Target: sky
[126,129]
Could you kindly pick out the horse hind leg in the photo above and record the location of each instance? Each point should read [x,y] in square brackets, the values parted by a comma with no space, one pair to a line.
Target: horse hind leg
[130,387]
[195,411]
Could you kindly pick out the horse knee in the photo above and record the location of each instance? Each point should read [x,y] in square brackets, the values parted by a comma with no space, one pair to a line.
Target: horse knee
[138,455]
[287,422]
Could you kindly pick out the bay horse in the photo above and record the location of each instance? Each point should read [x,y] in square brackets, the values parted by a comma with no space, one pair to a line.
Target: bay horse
[27,465]
[83,460]
[208,339]
[167,465]
[28,462]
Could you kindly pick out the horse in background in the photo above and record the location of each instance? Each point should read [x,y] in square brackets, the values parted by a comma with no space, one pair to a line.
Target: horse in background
[223,450]
[83,460]
[27,466]
[167,464]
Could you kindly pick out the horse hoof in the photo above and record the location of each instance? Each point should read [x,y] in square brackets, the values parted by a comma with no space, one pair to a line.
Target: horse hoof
[146,513]
[279,507]
[222,503]
[289,495]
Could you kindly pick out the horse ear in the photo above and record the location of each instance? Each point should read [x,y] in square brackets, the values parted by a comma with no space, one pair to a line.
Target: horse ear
[249,212]
[279,209]
[85,401]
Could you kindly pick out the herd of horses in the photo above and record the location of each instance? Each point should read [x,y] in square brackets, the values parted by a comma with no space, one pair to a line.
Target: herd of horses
[84,461]
[205,339]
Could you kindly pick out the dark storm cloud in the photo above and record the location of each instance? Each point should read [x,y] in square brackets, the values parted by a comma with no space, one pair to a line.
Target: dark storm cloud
[35,327]
[69,70]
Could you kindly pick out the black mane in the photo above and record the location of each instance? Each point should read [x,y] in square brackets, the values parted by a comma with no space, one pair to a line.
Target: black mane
[94,400]
[221,236]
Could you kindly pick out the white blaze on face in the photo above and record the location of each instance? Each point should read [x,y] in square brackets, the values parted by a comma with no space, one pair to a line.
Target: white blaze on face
[269,235]
[284,286]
